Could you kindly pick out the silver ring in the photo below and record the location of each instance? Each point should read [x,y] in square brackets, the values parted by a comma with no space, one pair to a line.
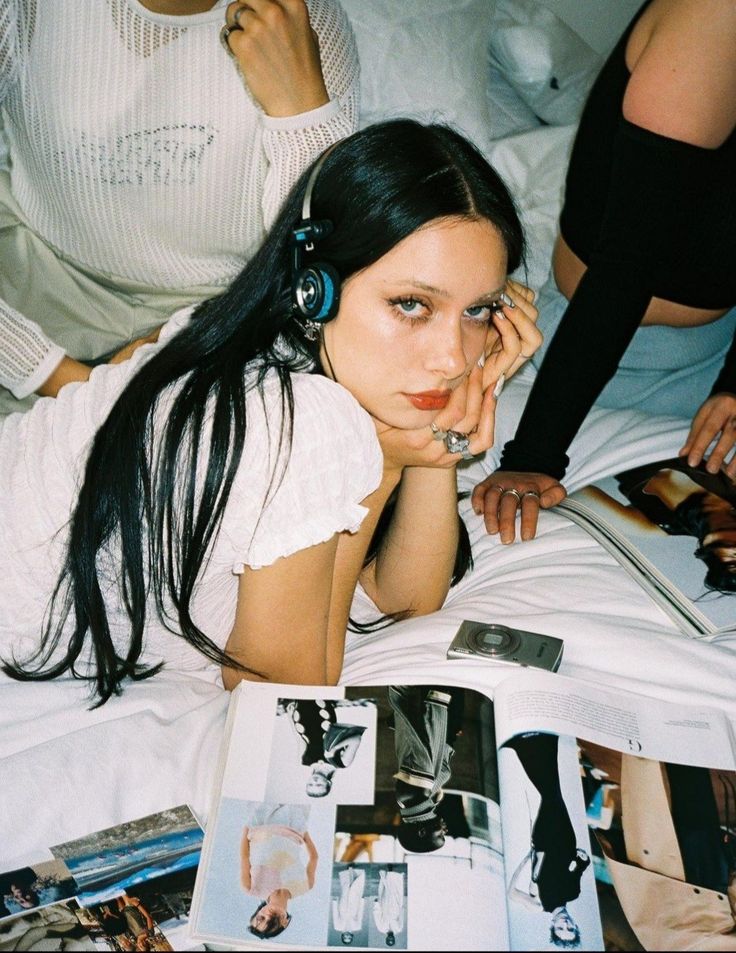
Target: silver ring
[236,17]
[510,491]
[467,455]
[437,434]
[456,442]
[531,493]
[224,34]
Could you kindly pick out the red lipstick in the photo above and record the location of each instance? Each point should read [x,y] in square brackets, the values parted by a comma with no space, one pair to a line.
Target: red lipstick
[430,399]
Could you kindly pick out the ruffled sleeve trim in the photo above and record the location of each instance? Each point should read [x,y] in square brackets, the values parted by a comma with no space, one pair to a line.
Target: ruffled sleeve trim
[310,531]
[306,493]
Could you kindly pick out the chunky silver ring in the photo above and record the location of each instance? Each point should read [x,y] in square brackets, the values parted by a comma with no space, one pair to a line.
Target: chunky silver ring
[531,493]
[437,434]
[457,442]
[236,17]
[510,491]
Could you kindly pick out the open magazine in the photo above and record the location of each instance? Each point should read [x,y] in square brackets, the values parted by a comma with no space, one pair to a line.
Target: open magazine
[555,815]
[673,528]
[128,887]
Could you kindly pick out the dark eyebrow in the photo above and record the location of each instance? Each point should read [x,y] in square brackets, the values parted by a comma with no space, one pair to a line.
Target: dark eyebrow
[440,292]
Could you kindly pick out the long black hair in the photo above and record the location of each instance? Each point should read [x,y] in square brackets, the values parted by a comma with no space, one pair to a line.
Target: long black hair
[159,473]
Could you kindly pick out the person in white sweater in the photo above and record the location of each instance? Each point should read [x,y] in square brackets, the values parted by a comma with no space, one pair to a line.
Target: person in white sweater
[147,158]
[217,498]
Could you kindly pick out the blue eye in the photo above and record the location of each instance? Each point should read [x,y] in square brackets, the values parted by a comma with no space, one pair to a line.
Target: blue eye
[482,312]
[410,309]
[409,306]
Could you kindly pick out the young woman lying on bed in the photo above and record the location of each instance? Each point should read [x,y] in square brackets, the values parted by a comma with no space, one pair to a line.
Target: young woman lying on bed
[214,498]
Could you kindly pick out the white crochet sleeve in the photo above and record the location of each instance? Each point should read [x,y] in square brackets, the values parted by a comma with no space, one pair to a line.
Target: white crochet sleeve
[292,142]
[8,45]
[27,356]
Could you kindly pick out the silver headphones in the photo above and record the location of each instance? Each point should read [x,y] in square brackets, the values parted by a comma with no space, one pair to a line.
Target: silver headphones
[315,288]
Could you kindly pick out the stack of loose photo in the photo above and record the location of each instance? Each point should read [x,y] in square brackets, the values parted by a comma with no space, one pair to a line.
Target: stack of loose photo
[125,888]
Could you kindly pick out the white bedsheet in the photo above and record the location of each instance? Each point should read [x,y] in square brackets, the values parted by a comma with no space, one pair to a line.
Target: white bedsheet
[66,771]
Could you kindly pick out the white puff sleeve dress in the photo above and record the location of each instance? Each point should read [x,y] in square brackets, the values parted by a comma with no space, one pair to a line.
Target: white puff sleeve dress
[277,505]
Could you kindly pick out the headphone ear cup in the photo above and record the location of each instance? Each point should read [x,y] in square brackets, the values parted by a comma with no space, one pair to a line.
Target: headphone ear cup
[317,292]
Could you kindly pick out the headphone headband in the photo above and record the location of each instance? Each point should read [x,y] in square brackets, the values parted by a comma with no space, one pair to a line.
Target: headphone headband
[307,201]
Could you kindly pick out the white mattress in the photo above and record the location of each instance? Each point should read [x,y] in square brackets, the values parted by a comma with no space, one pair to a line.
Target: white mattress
[67,771]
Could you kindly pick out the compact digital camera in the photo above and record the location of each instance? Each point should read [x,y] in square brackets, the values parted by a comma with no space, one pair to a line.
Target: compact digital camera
[502,643]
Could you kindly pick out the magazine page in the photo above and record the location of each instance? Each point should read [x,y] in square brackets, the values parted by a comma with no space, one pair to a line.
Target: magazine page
[585,509]
[128,887]
[360,816]
[618,814]
[681,521]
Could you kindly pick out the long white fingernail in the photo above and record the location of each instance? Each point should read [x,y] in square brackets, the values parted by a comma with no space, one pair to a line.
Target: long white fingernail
[499,385]
[482,360]
[506,300]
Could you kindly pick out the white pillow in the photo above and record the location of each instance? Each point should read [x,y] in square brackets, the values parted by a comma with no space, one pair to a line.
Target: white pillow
[510,115]
[533,165]
[427,59]
[548,64]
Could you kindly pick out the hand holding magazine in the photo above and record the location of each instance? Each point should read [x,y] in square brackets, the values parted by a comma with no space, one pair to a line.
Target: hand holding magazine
[556,815]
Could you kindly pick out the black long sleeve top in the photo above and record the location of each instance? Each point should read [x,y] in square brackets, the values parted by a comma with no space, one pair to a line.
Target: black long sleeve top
[650,217]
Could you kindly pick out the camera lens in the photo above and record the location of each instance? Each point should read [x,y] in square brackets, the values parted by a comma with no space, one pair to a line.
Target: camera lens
[495,640]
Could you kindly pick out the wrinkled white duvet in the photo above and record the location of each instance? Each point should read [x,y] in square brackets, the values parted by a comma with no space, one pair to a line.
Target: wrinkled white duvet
[66,771]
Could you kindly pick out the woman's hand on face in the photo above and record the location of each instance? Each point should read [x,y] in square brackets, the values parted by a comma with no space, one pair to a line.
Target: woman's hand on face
[501,495]
[513,336]
[471,412]
[716,418]
[512,339]
[278,54]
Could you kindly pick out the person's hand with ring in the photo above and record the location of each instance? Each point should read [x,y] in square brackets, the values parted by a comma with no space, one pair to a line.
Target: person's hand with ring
[278,54]
[505,494]
[506,353]
[465,428]
[461,431]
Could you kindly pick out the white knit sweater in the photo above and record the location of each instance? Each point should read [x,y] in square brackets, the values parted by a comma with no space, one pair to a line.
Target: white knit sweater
[136,149]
